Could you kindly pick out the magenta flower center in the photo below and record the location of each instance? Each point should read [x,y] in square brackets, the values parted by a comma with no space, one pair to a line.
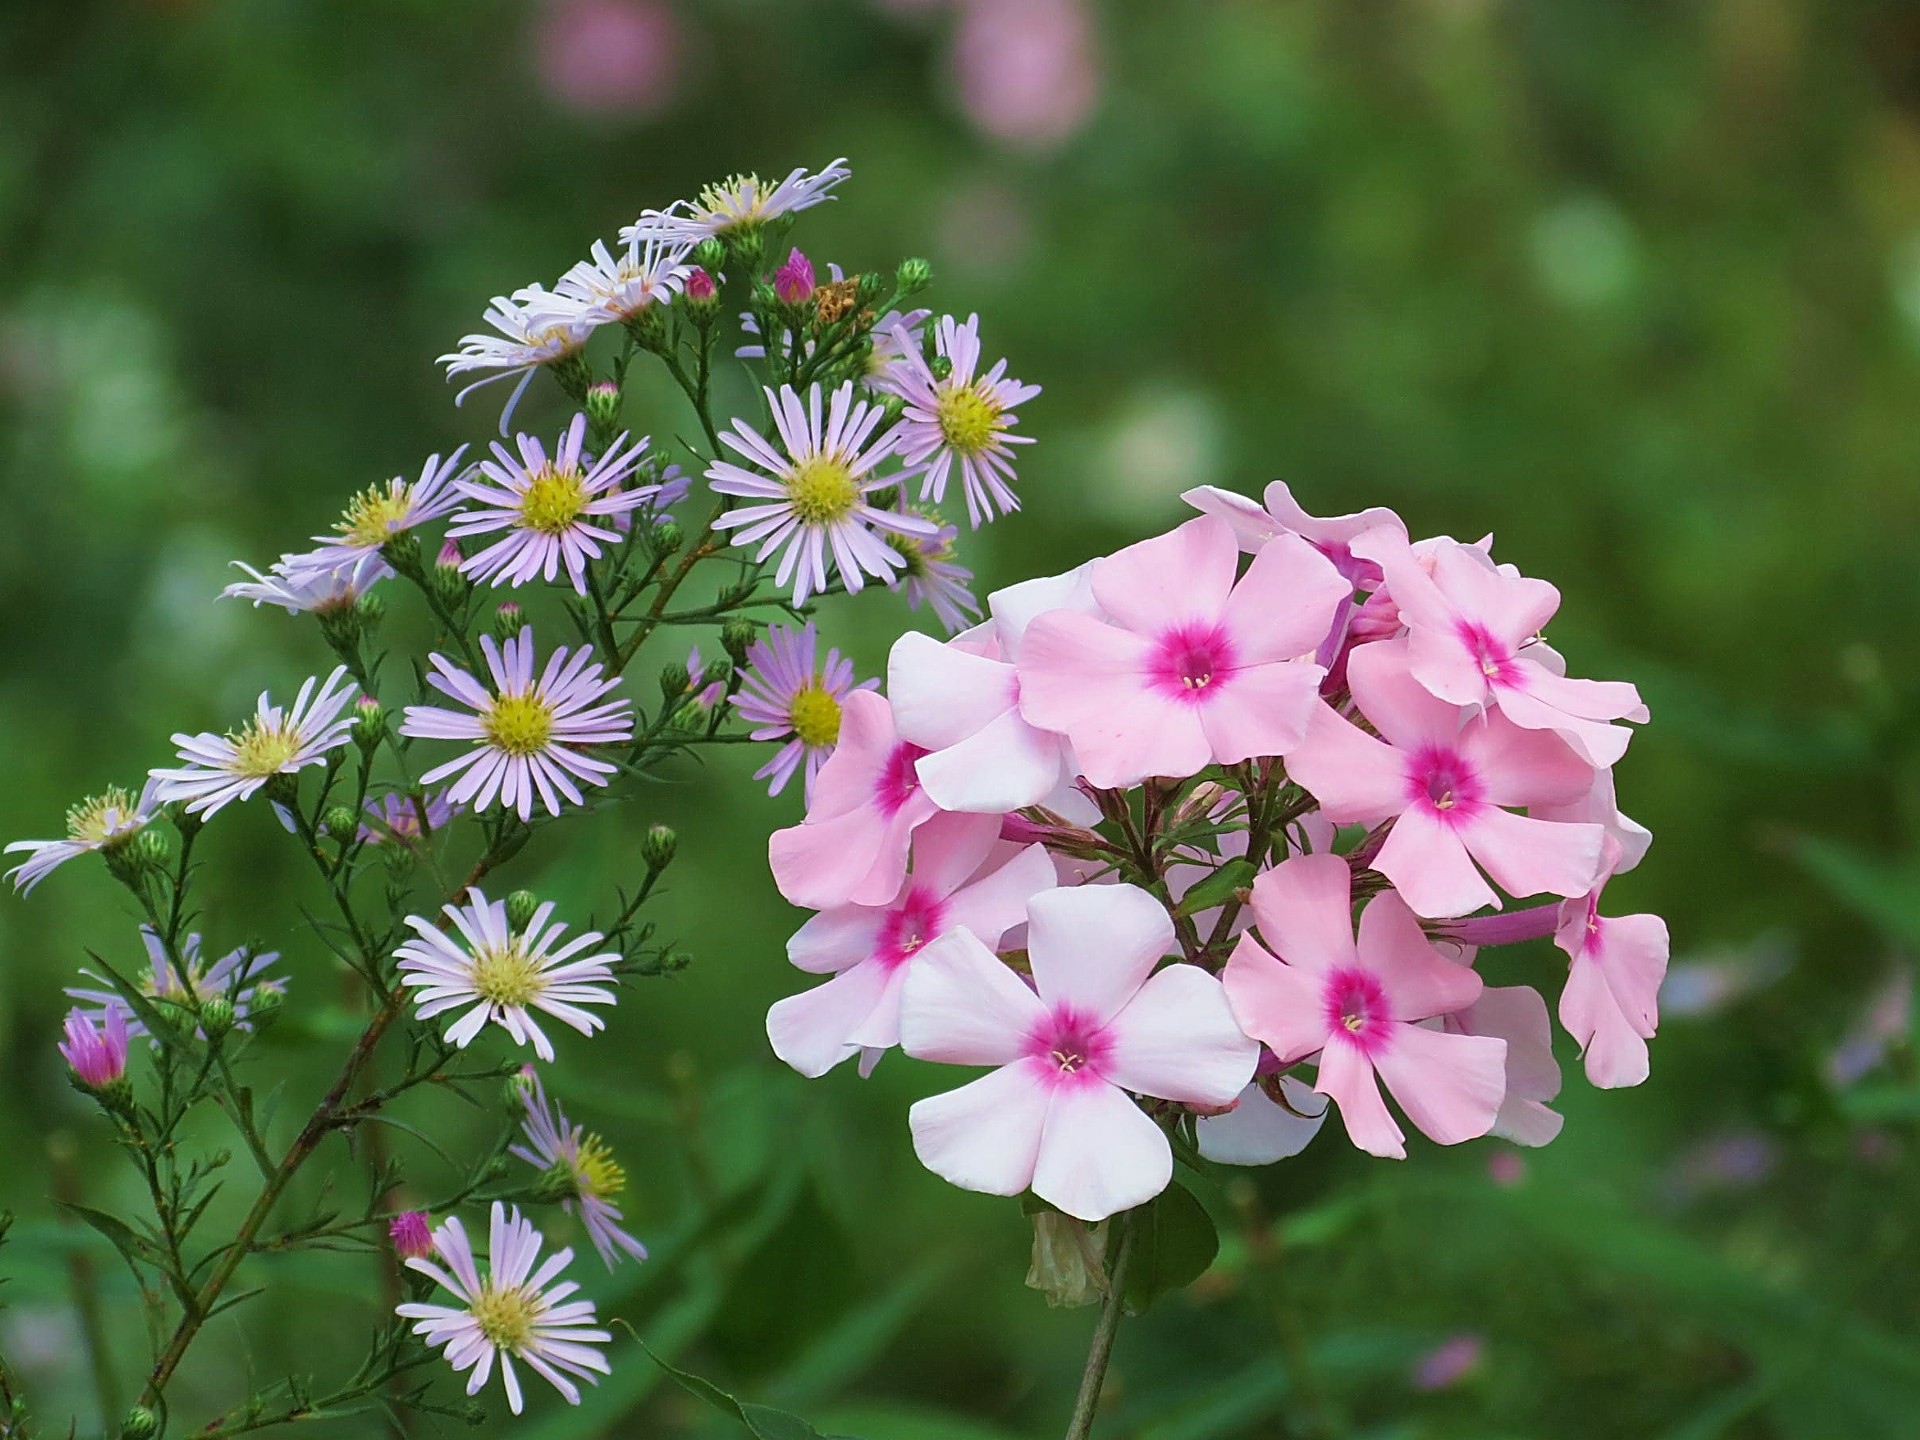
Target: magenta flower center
[898,779]
[1445,783]
[1490,654]
[1356,1007]
[920,918]
[1070,1048]
[1192,662]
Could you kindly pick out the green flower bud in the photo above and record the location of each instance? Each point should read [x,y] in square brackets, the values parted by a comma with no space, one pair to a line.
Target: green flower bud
[690,718]
[657,846]
[648,327]
[264,1008]
[518,1087]
[710,253]
[747,247]
[871,288]
[507,621]
[340,822]
[603,406]
[915,275]
[718,672]
[140,1424]
[520,907]
[941,367]
[369,722]
[1069,1259]
[667,538]
[673,683]
[216,1016]
[675,961]
[737,636]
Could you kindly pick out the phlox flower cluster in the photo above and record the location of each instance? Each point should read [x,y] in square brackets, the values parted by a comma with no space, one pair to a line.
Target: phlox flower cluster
[1199,843]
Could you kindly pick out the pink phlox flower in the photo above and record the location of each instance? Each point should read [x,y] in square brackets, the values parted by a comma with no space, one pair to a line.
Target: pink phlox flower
[1611,1003]
[962,419]
[1255,524]
[98,1056]
[1260,1129]
[867,801]
[1312,988]
[869,949]
[548,506]
[960,701]
[1100,1021]
[1474,638]
[1443,777]
[1196,668]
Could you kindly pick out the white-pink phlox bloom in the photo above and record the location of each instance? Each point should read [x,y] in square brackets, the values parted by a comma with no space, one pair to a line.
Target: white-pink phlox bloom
[1611,1003]
[1517,1015]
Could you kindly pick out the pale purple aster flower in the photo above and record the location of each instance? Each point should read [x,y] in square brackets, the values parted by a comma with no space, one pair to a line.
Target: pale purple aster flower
[649,271]
[504,975]
[99,823]
[411,1234]
[815,493]
[300,586]
[933,577]
[379,514]
[736,203]
[583,1162]
[525,734]
[963,418]
[514,1312]
[224,768]
[240,977]
[396,817]
[789,698]
[547,507]
[98,1056]
[537,327]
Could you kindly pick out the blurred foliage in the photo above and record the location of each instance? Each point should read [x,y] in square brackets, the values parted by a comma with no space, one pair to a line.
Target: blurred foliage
[1635,285]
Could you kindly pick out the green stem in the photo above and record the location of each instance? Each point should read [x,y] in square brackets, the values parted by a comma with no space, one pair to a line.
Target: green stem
[1094,1377]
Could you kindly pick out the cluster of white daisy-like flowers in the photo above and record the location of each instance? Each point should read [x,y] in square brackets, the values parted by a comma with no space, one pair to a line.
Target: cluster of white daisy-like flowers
[406,781]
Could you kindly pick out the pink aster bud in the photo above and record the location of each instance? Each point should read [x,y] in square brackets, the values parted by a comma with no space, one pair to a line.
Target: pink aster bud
[793,281]
[411,1235]
[700,287]
[450,557]
[98,1056]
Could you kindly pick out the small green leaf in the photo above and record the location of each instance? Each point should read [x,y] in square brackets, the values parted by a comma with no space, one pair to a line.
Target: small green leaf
[124,1238]
[1174,1242]
[762,1421]
[1217,888]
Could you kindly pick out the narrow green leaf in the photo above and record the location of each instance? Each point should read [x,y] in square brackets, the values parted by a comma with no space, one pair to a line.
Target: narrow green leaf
[1217,888]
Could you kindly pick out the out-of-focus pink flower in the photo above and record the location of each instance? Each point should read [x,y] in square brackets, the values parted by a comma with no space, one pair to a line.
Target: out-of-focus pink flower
[1028,71]
[1886,1020]
[1506,1168]
[608,57]
[1449,1362]
[793,281]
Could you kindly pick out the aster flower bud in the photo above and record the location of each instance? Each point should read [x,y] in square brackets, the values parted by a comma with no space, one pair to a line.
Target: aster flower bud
[264,1006]
[648,328]
[716,673]
[737,636]
[340,822]
[140,1424]
[667,538]
[507,621]
[746,247]
[411,1234]
[709,254]
[915,275]
[216,1016]
[520,907]
[1069,1259]
[675,961]
[690,718]
[98,1056]
[519,1087]
[603,406]
[793,282]
[451,556]
[869,288]
[369,722]
[657,846]
[370,609]
[673,683]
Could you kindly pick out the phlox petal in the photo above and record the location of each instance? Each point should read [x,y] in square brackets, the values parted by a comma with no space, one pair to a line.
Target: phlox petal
[962,1006]
[1183,575]
[1346,1077]
[1177,1040]
[1092,947]
[1305,912]
[1279,1005]
[984,1136]
[1450,1086]
[1419,982]
[1258,1131]
[813,1031]
[1100,1153]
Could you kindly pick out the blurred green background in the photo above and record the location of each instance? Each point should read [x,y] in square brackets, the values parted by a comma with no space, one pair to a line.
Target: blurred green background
[1634,285]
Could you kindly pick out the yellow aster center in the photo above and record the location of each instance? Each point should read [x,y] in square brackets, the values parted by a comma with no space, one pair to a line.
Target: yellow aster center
[101,819]
[519,724]
[822,490]
[815,716]
[968,418]
[553,500]
[596,1171]
[506,1317]
[260,750]
[505,976]
[735,201]
[373,515]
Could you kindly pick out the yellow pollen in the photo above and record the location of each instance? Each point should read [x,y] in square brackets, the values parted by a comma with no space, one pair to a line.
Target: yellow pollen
[822,490]
[969,419]
[737,200]
[505,976]
[597,1172]
[553,501]
[519,724]
[1355,1023]
[102,819]
[260,750]
[1069,1060]
[374,514]
[506,1317]
[815,716]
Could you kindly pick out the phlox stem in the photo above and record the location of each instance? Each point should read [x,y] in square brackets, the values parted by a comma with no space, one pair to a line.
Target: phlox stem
[1094,1378]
